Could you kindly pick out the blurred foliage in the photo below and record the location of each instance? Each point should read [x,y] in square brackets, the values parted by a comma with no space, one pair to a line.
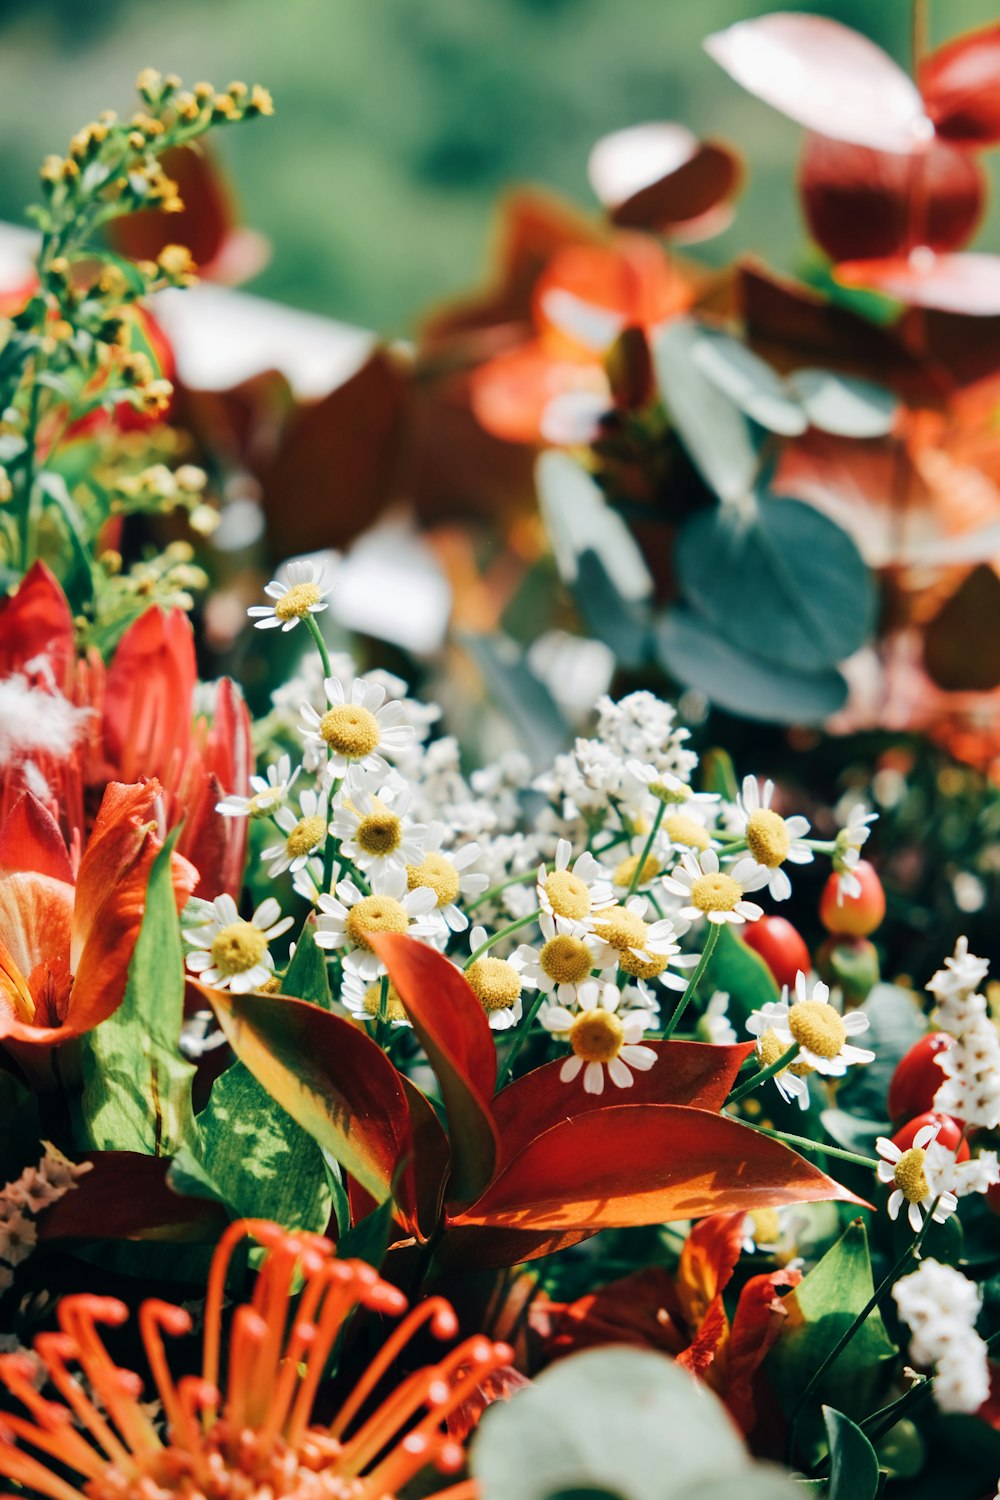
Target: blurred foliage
[398,123]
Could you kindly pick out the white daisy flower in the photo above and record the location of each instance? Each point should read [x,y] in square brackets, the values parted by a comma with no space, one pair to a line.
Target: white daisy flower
[301,593]
[714,1024]
[362,999]
[772,839]
[347,918]
[572,895]
[847,850]
[372,827]
[643,949]
[269,791]
[665,787]
[359,727]
[791,1081]
[449,876]
[304,834]
[232,954]
[307,882]
[497,983]
[716,894]
[913,1174]
[600,1037]
[564,962]
[818,1027]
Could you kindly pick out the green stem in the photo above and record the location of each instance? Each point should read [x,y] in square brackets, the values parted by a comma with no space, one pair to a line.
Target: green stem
[522,1036]
[711,938]
[29,519]
[495,890]
[330,844]
[805,1144]
[765,1073]
[640,867]
[320,643]
[504,932]
[382,1020]
[619,838]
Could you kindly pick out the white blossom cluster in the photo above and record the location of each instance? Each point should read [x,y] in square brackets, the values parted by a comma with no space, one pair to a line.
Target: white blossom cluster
[24,1197]
[971,1090]
[940,1307]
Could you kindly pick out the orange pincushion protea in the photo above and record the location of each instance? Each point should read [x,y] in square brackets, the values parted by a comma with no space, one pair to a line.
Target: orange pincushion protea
[252,1433]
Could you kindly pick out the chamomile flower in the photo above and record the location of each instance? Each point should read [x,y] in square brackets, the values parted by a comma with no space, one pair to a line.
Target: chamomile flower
[373,829]
[668,788]
[714,1024]
[448,875]
[601,1037]
[790,1082]
[817,1026]
[913,1174]
[642,949]
[713,893]
[362,999]
[570,895]
[564,962]
[359,728]
[847,850]
[497,984]
[231,954]
[268,792]
[771,839]
[300,593]
[304,834]
[347,919]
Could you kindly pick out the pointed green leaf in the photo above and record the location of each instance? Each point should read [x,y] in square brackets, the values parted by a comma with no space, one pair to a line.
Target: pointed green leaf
[853,1464]
[307,977]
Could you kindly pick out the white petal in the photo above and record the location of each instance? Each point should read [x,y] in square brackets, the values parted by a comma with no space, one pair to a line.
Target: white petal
[593,1078]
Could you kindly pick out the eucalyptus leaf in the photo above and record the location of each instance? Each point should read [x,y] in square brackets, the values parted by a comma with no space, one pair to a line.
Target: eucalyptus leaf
[717,436]
[853,1465]
[844,404]
[620,623]
[521,696]
[697,655]
[749,382]
[578,520]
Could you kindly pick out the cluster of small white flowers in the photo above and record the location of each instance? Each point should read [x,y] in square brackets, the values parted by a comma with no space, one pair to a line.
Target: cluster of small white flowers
[24,1197]
[940,1307]
[971,1089]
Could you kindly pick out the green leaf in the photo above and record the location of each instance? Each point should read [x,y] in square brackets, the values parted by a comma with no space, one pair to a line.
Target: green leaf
[697,655]
[779,577]
[307,977]
[717,436]
[519,694]
[255,1159]
[369,1239]
[843,404]
[20,1127]
[578,520]
[853,1465]
[621,1423]
[855,1132]
[749,382]
[896,1021]
[136,1085]
[622,624]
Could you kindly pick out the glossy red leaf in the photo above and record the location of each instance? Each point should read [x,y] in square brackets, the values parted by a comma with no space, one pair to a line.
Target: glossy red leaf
[452,1029]
[30,840]
[961,88]
[962,642]
[862,204]
[692,1073]
[757,1323]
[658,176]
[147,703]
[707,1262]
[483,1247]
[125,1196]
[36,620]
[333,1080]
[825,76]
[968,283]
[631,1164]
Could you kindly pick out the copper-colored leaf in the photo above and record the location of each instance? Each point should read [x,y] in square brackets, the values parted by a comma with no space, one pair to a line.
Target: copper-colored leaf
[961,88]
[710,178]
[30,840]
[125,1196]
[202,225]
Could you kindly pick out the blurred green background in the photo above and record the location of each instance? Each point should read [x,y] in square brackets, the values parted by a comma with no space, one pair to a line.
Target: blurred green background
[400,121]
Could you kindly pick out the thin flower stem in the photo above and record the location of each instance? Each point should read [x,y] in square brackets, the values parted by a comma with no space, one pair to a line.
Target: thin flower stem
[765,1073]
[641,865]
[320,643]
[382,1020]
[330,844]
[521,1037]
[912,1252]
[711,938]
[495,890]
[504,932]
[805,1144]
[619,838]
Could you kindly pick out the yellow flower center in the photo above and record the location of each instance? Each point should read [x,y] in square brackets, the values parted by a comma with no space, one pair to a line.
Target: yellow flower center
[380,831]
[270,986]
[298,601]
[597,1036]
[568,895]
[910,1177]
[625,872]
[684,830]
[767,837]
[817,1026]
[496,982]
[566,959]
[375,914]
[440,876]
[350,730]
[766,1225]
[238,947]
[716,892]
[770,1047]
[668,793]
[622,928]
[394,1007]
[307,833]
[262,803]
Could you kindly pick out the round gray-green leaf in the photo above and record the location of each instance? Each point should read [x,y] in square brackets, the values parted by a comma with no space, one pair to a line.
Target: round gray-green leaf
[749,382]
[843,404]
[716,435]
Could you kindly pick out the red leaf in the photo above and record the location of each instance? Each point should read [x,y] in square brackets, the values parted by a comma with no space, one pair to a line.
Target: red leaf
[863,204]
[36,620]
[478,1247]
[968,284]
[147,705]
[825,76]
[30,840]
[333,1080]
[125,1196]
[961,88]
[709,1340]
[631,1164]
[757,1323]
[499,1385]
[659,176]
[707,1262]
[692,1073]
[454,1032]
[204,223]
[640,1309]
[687,196]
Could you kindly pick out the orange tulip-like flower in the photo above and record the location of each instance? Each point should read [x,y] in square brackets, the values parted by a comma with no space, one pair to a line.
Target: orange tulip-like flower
[66,938]
[249,1431]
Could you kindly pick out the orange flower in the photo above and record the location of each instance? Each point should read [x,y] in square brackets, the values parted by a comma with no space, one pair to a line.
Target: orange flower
[252,1430]
[66,940]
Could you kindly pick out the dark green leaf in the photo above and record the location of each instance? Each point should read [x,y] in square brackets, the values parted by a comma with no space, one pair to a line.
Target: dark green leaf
[369,1239]
[307,977]
[743,975]
[620,623]
[519,694]
[896,1021]
[853,1464]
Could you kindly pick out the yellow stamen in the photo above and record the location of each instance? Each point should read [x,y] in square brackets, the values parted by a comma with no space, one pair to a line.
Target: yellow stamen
[816,1026]
[379,832]
[350,730]
[597,1036]
[716,892]
[305,836]
[496,982]
[625,872]
[375,914]
[238,947]
[566,959]
[684,830]
[569,896]
[394,1007]
[767,837]
[910,1177]
[439,875]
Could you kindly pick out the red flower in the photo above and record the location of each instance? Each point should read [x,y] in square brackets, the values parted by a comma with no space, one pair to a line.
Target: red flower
[251,1429]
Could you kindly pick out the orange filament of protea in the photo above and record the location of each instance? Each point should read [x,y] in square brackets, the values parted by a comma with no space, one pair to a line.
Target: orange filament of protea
[251,1433]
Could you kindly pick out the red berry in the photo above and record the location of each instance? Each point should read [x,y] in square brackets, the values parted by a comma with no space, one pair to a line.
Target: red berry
[781,947]
[918,1077]
[949,1135]
[853,916]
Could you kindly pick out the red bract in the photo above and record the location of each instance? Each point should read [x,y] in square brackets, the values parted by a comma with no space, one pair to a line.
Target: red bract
[538,1165]
[141,725]
[950,1133]
[918,1077]
[781,947]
